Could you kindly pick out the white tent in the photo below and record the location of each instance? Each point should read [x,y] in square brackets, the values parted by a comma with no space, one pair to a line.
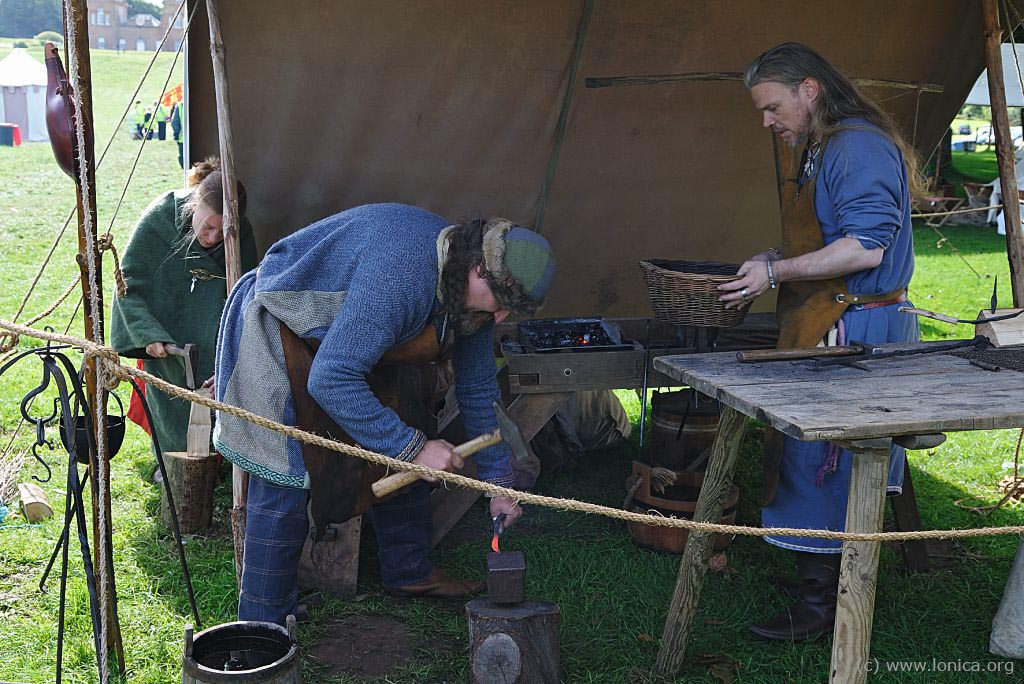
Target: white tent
[1011,80]
[23,94]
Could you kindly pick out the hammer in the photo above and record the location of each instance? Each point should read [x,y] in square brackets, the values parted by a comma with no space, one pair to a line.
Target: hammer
[507,431]
[190,353]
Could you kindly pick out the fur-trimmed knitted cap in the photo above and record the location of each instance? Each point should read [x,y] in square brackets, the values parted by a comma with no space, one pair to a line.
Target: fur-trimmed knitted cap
[519,264]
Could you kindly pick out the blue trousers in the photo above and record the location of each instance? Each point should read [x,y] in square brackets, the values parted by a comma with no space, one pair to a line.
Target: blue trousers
[276,528]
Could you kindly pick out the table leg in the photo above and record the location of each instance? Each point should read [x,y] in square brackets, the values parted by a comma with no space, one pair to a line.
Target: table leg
[851,644]
[699,545]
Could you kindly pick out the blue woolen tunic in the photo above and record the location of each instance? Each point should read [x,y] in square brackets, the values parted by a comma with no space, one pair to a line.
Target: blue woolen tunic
[861,191]
[361,282]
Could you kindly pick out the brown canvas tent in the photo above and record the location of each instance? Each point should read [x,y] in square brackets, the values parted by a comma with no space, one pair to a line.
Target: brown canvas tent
[454,105]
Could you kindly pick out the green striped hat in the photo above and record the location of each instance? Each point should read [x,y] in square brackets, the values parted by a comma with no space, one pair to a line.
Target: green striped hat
[520,266]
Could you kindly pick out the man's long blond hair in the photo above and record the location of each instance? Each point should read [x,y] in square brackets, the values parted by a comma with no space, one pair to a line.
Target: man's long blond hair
[790,64]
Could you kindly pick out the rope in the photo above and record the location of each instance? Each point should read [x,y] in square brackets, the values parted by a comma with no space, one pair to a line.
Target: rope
[152,119]
[1010,29]
[106,243]
[942,239]
[4,338]
[958,211]
[108,358]
[95,308]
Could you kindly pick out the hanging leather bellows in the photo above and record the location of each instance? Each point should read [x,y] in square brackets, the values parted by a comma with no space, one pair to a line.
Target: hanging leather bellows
[60,113]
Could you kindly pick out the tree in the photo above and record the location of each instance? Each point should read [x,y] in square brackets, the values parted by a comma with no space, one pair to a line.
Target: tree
[144,7]
[26,18]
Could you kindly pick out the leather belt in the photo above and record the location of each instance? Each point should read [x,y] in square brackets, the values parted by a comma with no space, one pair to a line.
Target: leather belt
[873,301]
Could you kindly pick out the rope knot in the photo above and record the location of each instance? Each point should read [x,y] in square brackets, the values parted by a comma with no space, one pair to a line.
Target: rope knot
[8,341]
[105,243]
[106,375]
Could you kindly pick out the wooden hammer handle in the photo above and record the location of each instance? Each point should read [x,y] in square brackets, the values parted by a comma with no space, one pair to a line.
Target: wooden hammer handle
[393,483]
[761,355]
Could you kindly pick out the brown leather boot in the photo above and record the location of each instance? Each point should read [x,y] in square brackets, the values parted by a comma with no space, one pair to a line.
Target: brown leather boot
[814,613]
[437,585]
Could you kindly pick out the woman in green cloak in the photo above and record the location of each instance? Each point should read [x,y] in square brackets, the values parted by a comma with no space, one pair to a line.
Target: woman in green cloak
[174,271]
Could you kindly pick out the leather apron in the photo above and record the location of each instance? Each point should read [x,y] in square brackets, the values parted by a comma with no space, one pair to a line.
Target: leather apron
[807,310]
[410,379]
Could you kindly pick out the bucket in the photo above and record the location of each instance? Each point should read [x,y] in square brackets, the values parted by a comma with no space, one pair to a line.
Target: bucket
[242,653]
[115,434]
[671,447]
[678,500]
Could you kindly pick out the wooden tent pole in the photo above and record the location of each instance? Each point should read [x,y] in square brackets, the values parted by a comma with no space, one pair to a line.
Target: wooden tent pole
[1004,149]
[232,260]
[87,236]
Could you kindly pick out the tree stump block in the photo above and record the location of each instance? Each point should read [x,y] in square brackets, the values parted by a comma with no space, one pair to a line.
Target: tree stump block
[332,563]
[514,644]
[192,480]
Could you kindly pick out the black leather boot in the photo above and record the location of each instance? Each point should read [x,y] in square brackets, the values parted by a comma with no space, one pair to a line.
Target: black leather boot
[814,613]
[790,587]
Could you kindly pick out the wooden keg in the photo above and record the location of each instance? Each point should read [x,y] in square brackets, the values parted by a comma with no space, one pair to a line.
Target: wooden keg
[677,500]
[675,448]
[242,653]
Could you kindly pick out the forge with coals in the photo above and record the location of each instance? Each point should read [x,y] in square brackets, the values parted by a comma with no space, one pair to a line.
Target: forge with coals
[573,354]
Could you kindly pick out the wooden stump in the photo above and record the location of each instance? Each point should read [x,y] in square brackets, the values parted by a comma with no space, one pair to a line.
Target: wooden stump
[332,563]
[515,644]
[192,480]
[34,502]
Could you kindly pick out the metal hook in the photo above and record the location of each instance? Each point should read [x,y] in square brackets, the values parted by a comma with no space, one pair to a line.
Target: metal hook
[49,343]
[49,473]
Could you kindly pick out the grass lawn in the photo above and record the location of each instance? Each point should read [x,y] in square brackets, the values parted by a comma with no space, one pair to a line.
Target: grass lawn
[612,596]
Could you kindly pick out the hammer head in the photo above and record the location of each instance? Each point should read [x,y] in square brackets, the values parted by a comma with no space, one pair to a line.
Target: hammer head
[510,434]
[190,354]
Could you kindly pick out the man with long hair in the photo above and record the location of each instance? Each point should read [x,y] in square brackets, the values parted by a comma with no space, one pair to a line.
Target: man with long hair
[353,327]
[842,270]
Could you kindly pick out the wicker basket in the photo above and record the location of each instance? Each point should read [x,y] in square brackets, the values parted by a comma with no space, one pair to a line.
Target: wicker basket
[684,292]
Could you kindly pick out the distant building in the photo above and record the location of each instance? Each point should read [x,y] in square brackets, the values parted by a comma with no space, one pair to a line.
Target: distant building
[110,28]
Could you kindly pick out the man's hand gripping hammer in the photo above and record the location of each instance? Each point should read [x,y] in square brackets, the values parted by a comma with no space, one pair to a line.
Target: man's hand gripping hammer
[507,432]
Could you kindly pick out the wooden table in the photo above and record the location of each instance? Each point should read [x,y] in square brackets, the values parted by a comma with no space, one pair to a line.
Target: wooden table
[909,400]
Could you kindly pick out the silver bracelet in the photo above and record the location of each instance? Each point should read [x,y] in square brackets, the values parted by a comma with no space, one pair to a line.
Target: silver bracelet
[775,252]
[771,275]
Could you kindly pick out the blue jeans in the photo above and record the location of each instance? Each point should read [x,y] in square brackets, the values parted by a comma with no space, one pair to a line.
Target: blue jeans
[276,527]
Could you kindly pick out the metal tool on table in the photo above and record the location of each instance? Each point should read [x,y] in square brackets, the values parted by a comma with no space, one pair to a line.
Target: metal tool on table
[190,354]
[945,318]
[978,342]
[507,432]
[766,355]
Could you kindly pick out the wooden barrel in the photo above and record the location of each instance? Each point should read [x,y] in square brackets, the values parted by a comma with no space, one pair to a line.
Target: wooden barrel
[242,653]
[678,500]
[675,448]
